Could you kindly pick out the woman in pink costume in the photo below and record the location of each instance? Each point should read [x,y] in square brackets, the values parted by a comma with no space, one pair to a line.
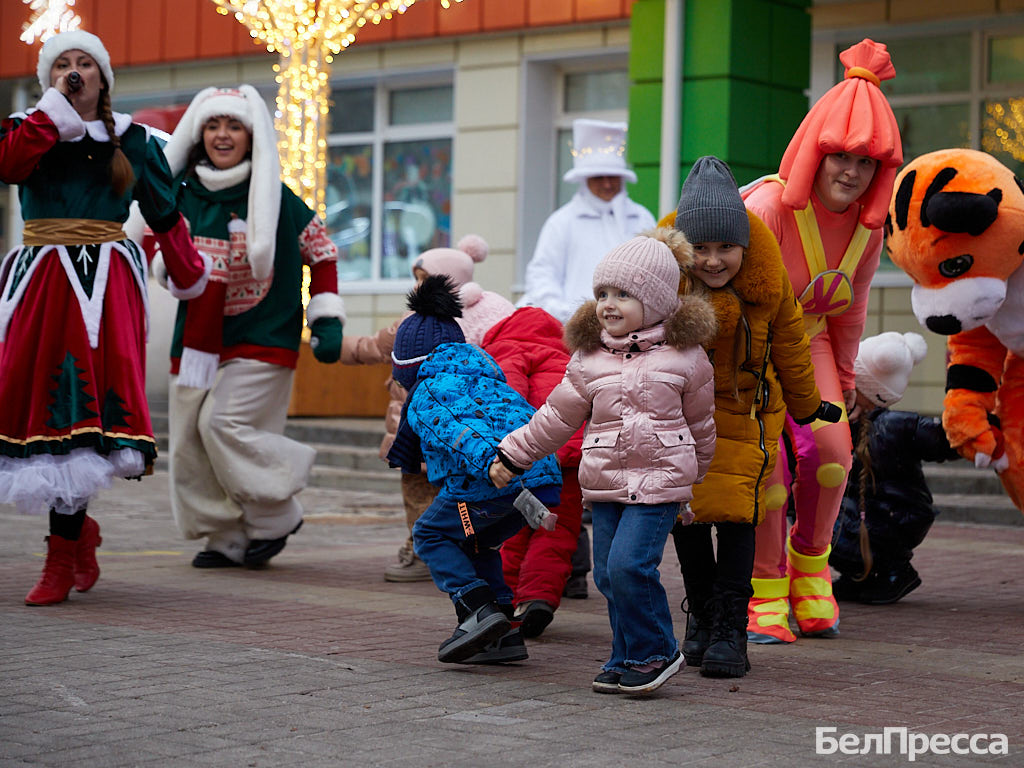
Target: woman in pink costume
[826,207]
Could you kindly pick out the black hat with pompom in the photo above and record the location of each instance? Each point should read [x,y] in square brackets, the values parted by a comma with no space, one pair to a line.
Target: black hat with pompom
[435,305]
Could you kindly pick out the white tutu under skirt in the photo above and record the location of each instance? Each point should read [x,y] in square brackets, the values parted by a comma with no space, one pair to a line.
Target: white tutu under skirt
[65,482]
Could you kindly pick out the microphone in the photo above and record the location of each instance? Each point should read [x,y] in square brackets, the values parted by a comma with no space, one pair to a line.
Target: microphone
[74,81]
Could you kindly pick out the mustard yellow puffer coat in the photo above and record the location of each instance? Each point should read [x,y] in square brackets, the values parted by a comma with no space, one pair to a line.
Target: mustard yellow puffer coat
[748,431]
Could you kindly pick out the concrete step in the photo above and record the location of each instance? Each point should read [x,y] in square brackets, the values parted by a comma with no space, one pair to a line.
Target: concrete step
[382,481]
[961,477]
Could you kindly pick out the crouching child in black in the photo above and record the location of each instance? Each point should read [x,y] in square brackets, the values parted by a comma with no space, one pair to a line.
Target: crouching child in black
[458,408]
[887,508]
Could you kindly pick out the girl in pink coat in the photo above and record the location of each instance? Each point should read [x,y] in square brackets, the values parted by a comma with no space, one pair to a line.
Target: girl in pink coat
[640,379]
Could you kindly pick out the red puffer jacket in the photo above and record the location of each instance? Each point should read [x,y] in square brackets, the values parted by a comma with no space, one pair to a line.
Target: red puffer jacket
[529,348]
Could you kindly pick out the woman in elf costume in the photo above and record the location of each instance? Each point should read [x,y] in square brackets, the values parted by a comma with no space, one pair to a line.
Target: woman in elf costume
[826,208]
[234,475]
[73,305]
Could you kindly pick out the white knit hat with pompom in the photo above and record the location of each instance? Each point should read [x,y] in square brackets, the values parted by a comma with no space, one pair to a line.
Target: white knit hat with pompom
[884,363]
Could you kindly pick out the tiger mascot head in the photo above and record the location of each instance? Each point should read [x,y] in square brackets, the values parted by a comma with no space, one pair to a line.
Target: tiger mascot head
[956,226]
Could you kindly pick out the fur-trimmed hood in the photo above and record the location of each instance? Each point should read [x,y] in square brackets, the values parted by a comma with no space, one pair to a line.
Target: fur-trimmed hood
[692,324]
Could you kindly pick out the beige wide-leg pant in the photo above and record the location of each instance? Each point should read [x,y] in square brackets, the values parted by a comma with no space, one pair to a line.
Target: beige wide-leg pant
[233,473]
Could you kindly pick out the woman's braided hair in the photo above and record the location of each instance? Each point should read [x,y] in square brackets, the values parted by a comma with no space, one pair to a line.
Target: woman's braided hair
[121,174]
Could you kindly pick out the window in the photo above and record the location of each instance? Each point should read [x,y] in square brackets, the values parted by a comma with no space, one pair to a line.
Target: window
[388,178]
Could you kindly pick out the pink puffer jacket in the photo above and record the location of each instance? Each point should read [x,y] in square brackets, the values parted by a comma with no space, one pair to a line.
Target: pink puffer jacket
[649,400]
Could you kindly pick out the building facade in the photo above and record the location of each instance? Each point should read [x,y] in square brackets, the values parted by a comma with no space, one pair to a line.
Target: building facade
[448,122]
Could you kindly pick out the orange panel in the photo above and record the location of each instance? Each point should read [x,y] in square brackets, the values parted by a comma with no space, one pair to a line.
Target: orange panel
[16,58]
[462,18]
[593,10]
[376,33]
[181,22]
[544,12]
[109,21]
[216,33]
[418,21]
[501,14]
[146,38]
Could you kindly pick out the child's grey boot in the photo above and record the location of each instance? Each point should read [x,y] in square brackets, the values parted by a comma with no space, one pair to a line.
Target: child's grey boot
[481,621]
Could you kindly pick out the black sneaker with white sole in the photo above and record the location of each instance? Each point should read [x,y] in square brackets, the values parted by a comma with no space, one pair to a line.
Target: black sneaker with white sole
[482,627]
[635,681]
[607,682]
[507,648]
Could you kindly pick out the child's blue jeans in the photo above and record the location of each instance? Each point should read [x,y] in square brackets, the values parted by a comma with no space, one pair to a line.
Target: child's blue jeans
[629,541]
[461,547]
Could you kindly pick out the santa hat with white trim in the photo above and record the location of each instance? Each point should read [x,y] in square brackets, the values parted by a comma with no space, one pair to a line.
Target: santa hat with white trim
[73,40]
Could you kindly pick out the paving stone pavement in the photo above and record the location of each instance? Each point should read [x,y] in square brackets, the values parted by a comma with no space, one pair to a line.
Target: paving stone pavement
[316,661]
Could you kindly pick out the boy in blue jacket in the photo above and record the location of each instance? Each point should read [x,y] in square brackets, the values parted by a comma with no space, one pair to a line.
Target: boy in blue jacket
[458,408]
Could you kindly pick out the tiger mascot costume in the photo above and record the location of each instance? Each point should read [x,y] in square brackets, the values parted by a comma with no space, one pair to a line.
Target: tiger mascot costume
[956,226]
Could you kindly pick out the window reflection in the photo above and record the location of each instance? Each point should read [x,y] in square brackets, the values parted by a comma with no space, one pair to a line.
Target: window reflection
[350,209]
[417,202]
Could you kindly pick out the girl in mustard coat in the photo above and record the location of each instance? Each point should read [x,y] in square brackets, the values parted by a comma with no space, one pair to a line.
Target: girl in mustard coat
[762,367]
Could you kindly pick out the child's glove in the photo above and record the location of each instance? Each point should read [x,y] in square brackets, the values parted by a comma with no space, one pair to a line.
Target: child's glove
[685,515]
[325,339]
[827,411]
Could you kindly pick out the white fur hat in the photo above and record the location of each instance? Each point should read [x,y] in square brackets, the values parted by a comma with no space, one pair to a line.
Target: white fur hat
[884,363]
[76,39]
[245,105]
[598,149]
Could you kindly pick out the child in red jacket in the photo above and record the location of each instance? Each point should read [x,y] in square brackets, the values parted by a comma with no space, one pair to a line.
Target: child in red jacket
[537,563]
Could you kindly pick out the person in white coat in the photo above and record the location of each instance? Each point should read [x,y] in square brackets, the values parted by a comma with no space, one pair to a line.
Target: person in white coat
[599,217]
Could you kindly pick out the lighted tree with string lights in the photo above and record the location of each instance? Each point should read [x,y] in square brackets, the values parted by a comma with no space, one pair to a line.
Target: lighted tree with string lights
[1004,128]
[307,35]
[49,17]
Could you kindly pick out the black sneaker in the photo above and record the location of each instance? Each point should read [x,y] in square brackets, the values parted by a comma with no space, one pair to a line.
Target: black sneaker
[607,682]
[887,588]
[484,626]
[211,558]
[507,648]
[635,681]
[535,616]
[259,551]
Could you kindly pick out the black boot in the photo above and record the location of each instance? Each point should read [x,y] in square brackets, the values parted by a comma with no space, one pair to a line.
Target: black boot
[507,648]
[481,621]
[726,656]
[698,632]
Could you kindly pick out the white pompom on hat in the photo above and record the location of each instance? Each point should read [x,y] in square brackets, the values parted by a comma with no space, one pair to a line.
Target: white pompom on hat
[245,104]
[458,264]
[73,40]
[884,363]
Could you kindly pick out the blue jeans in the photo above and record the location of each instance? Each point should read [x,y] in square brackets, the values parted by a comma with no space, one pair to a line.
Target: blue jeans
[629,541]
[463,557]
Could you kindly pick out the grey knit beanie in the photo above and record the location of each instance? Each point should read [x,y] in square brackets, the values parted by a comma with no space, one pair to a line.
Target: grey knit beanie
[710,207]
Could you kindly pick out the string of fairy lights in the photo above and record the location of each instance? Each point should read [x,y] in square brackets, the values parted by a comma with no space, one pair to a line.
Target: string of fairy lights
[307,35]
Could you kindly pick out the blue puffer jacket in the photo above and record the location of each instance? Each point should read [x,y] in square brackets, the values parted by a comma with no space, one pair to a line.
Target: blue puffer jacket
[460,408]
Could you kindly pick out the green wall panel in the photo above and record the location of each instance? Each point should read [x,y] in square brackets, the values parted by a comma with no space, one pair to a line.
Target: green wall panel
[646,40]
[643,144]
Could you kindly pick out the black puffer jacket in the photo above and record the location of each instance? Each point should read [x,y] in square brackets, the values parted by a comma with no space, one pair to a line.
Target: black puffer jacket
[899,508]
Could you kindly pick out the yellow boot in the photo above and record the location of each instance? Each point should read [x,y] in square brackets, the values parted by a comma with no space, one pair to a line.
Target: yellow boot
[768,612]
[810,592]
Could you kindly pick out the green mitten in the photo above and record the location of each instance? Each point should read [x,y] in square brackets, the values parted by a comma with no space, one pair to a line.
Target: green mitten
[325,340]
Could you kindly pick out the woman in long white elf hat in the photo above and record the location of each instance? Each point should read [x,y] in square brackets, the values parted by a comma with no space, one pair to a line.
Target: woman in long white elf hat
[73,307]
[234,475]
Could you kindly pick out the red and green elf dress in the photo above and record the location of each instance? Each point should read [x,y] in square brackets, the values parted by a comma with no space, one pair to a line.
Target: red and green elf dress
[73,306]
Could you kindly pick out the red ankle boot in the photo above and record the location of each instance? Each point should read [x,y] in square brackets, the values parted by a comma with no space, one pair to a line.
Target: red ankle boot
[58,573]
[87,570]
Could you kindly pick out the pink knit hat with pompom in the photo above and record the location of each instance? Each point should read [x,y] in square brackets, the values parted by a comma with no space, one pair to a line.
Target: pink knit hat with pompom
[457,263]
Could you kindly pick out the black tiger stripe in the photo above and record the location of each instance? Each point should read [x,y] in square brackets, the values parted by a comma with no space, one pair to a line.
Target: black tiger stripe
[969,377]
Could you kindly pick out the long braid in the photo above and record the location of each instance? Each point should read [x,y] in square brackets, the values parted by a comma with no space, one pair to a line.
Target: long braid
[121,174]
[867,475]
